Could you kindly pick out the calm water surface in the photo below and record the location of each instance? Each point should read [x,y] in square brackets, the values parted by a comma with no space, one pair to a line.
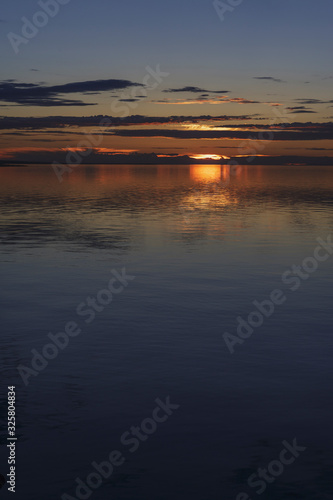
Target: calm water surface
[202,245]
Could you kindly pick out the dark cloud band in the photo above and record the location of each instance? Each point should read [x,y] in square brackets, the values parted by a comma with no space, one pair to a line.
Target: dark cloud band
[31,94]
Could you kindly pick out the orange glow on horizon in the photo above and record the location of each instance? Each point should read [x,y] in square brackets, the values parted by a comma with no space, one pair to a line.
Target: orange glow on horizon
[209,157]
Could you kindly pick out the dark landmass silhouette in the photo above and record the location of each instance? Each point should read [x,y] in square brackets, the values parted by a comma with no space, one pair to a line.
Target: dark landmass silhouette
[153,159]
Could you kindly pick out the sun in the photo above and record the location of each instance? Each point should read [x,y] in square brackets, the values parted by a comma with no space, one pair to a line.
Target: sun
[209,157]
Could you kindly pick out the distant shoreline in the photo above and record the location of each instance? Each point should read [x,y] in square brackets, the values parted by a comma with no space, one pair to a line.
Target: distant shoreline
[186,161]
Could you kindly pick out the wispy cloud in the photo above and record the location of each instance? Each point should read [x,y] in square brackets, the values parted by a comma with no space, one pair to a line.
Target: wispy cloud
[206,100]
[197,90]
[269,78]
[311,101]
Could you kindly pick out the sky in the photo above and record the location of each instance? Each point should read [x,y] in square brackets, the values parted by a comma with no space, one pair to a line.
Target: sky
[182,77]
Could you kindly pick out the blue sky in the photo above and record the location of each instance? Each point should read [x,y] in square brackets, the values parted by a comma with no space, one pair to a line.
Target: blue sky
[290,39]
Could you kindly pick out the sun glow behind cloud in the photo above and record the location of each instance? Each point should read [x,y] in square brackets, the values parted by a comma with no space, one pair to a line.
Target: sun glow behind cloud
[196,126]
[209,157]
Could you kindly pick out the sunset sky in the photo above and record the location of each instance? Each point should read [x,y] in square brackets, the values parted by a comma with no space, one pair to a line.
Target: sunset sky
[219,83]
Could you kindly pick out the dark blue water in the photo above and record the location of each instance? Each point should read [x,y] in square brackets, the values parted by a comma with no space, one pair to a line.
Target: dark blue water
[202,245]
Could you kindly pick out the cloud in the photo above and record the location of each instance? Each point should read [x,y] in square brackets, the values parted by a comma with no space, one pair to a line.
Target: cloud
[312,101]
[182,127]
[269,78]
[128,100]
[299,110]
[206,100]
[49,122]
[31,94]
[197,90]
[302,111]
[319,149]
[316,133]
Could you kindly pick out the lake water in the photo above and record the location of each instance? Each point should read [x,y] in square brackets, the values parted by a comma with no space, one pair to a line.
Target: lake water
[203,244]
